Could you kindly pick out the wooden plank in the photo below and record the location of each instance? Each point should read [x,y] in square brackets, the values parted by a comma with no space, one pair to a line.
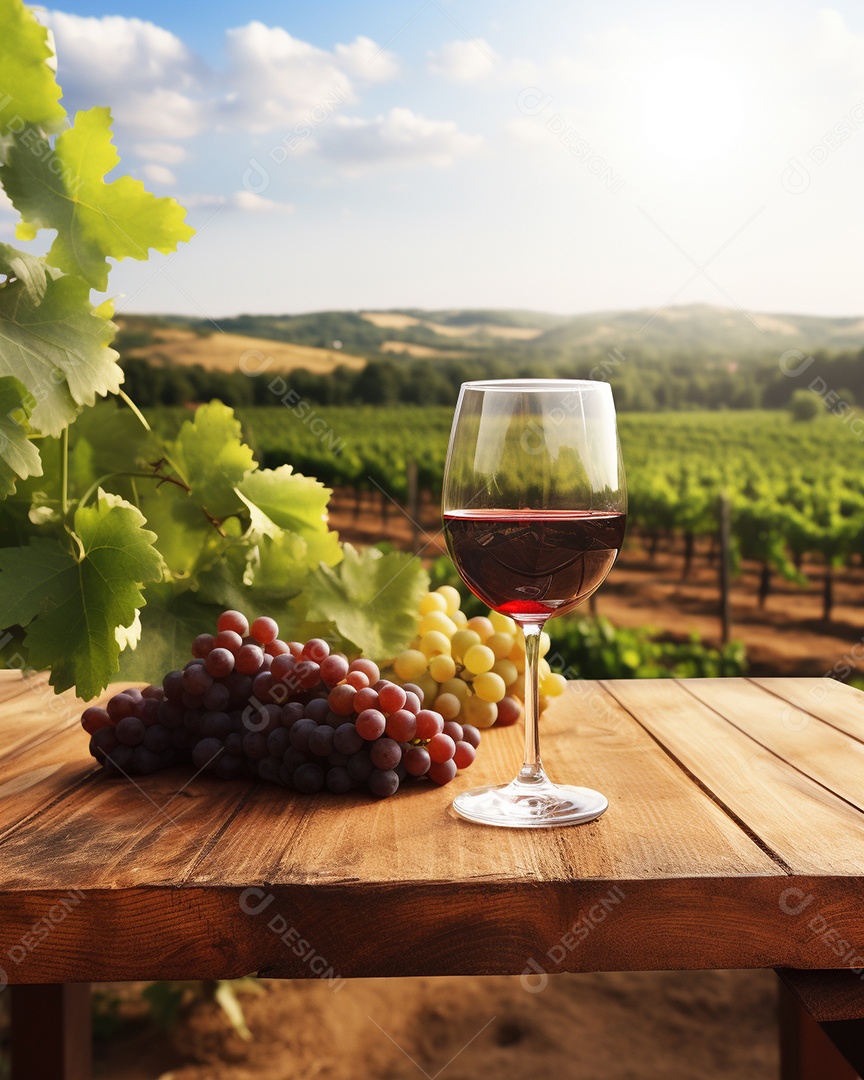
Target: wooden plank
[34,714]
[827,995]
[809,828]
[806,1051]
[660,824]
[818,750]
[51,1032]
[837,704]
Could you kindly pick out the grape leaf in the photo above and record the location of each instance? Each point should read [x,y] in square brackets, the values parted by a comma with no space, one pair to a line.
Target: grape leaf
[298,504]
[214,458]
[58,348]
[169,623]
[64,189]
[73,604]
[19,458]
[29,93]
[26,268]
[371,598]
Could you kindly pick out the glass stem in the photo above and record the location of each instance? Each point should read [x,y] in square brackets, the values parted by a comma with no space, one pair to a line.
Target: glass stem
[532,768]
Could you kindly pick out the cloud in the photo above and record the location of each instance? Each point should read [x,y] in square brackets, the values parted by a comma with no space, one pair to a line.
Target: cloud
[463,60]
[158,174]
[163,152]
[365,60]
[399,136]
[145,72]
[159,89]
[239,200]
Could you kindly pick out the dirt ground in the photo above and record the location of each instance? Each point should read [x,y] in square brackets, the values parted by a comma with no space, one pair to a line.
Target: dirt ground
[786,637]
[649,1025]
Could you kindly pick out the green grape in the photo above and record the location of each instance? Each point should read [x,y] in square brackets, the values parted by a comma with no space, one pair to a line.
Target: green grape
[480,713]
[501,644]
[457,687]
[489,686]
[452,598]
[481,626]
[442,668]
[479,658]
[437,620]
[433,601]
[409,664]
[434,643]
[462,641]
[507,670]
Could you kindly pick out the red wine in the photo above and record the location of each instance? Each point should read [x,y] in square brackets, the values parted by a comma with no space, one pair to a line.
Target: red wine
[531,564]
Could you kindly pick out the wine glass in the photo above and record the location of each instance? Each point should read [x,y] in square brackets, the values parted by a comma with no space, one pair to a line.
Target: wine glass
[534,508]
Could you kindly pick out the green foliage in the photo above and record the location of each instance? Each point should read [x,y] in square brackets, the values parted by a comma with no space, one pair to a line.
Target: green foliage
[805,405]
[29,94]
[371,598]
[131,540]
[77,595]
[594,649]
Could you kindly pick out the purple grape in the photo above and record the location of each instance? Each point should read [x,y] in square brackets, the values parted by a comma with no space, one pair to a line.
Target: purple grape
[196,680]
[278,742]
[157,738]
[347,739]
[130,731]
[383,783]
[320,741]
[338,781]
[216,698]
[255,745]
[291,713]
[309,779]
[360,766]
[219,663]
[300,733]
[144,761]
[205,753]
[386,754]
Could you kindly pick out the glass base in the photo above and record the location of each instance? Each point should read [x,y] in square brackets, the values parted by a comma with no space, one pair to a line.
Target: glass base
[530,806]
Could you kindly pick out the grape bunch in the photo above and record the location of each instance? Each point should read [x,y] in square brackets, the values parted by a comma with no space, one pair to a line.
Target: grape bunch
[250,705]
[471,670]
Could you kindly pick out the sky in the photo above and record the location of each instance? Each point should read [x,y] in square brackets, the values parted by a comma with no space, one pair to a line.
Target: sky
[560,156]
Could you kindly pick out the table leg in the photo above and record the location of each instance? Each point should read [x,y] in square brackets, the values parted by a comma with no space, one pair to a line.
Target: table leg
[807,1052]
[51,1032]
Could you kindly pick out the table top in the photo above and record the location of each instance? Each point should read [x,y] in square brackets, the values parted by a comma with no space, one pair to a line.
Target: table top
[734,838]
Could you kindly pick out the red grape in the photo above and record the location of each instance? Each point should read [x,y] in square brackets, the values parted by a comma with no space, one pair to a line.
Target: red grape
[454,730]
[385,753]
[441,748]
[334,669]
[202,645]
[471,734]
[370,724]
[464,755]
[277,648]
[509,712]
[228,639]
[442,772]
[94,718]
[429,724]
[401,725]
[369,669]
[248,659]
[412,701]
[119,706]
[264,630]
[219,663]
[391,697]
[367,698]
[416,761]
[315,649]
[341,699]
[233,620]
[282,667]
[357,679]
[413,688]
[295,648]
[309,674]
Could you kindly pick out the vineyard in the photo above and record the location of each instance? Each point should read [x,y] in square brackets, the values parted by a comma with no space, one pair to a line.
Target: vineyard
[795,490]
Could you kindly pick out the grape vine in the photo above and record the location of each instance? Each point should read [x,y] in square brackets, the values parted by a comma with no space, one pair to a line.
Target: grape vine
[116,541]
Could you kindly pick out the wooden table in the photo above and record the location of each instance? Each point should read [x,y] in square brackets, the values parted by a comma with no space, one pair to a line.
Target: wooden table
[734,838]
